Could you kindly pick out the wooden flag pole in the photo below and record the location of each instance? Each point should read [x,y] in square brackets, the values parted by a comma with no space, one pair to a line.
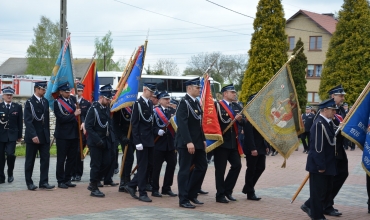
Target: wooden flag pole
[300,188]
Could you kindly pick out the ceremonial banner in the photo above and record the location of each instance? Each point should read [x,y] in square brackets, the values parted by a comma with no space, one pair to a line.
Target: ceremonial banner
[357,126]
[62,72]
[275,113]
[96,87]
[129,86]
[89,82]
[210,124]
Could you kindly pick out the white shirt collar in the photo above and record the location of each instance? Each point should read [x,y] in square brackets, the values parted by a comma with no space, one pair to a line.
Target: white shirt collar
[163,107]
[328,120]
[145,99]
[38,98]
[191,97]
[10,103]
[228,103]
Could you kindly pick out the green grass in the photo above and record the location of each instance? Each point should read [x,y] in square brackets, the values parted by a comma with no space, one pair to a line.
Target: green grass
[21,150]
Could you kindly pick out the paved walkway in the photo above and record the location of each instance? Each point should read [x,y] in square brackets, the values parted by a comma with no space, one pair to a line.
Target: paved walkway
[276,187]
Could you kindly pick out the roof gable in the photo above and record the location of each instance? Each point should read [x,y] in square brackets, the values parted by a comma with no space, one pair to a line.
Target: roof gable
[326,22]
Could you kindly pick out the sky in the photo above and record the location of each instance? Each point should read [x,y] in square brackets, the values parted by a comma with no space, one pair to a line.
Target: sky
[177,29]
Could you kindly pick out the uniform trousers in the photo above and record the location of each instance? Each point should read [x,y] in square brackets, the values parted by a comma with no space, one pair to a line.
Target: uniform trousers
[9,149]
[129,161]
[320,185]
[338,181]
[100,161]
[189,184]
[222,156]
[44,152]
[368,190]
[305,135]
[108,175]
[255,167]
[79,166]
[140,179]
[66,158]
[158,158]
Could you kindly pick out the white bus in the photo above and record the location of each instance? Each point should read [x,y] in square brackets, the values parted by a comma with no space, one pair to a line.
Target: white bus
[174,85]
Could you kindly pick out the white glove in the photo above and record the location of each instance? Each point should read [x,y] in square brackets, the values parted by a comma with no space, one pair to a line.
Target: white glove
[139,147]
[161,132]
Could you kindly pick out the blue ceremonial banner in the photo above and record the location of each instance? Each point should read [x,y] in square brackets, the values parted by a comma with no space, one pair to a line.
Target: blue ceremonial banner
[62,72]
[357,126]
[129,88]
[96,87]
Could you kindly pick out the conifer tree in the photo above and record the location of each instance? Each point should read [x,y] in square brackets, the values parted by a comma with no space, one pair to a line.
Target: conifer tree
[348,57]
[298,69]
[268,47]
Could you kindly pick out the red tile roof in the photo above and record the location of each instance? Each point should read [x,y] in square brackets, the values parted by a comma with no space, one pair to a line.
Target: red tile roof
[326,22]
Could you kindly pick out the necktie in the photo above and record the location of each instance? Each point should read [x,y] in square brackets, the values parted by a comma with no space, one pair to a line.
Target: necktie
[8,106]
[165,111]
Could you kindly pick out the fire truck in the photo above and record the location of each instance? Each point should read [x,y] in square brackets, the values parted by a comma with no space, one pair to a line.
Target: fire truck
[23,84]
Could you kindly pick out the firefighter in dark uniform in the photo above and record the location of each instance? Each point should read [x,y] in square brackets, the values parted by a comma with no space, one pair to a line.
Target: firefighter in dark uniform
[321,162]
[164,149]
[255,150]
[121,124]
[37,136]
[341,156]
[307,119]
[84,105]
[66,135]
[228,151]
[99,139]
[191,144]
[11,128]
[142,134]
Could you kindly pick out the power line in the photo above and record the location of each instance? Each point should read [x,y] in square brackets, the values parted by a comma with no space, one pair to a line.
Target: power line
[190,22]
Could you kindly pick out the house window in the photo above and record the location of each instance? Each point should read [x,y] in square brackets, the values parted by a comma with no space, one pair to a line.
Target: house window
[291,43]
[313,97]
[316,43]
[314,70]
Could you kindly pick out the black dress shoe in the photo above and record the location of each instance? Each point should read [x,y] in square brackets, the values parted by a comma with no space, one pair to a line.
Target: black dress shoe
[230,197]
[69,184]
[111,184]
[73,178]
[10,179]
[2,181]
[332,212]
[62,186]
[97,193]
[202,192]
[253,197]
[121,187]
[78,178]
[222,200]
[31,187]
[156,194]
[306,210]
[46,186]
[196,201]
[145,199]
[170,193]
[116,171]
[187,205]
[99,184]
[131,191]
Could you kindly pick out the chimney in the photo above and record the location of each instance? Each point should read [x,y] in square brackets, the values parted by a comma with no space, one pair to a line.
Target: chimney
[328,14]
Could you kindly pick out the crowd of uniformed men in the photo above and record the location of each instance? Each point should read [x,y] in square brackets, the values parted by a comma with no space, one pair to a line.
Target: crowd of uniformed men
[155,141]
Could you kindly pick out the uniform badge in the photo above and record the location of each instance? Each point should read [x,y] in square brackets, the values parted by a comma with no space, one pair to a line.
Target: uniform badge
[196,111]
[37,101]
[82,101]
[227,114]
[126,116]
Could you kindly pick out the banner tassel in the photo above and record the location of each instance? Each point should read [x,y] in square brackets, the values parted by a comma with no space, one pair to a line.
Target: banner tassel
[284,164]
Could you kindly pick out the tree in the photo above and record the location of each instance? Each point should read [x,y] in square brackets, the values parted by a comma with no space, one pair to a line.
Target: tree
[167,67]
[232,68]
[104,53]
[298,69]
[348,58]
[268,47]
[44,50]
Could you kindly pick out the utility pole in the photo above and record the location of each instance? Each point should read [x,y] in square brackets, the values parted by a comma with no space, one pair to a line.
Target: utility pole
[104,62]
[63,21]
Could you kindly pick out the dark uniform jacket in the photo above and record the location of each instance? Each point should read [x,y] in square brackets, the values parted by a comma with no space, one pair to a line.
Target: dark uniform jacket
[165,142]
[141,122]
[84,106]
[230,137]
[95,132]
[307,120]
[321,155]
[341,153]
[11,126]
[36,120]
[189,128]
[121,123]
[253,140]
[66,126]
